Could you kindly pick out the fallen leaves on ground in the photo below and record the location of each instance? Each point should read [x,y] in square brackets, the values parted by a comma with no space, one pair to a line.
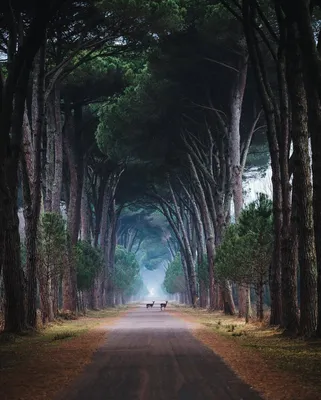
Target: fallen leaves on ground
[37,367]
[278,368]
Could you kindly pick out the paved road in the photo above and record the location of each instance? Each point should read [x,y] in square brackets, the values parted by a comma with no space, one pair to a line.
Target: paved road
[151,355]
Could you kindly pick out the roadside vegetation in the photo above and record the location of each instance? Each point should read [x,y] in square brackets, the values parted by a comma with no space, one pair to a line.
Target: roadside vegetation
[278,366]
[39,365]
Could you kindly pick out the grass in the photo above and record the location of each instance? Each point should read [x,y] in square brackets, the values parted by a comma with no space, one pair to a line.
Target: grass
[37,365]
[265,352]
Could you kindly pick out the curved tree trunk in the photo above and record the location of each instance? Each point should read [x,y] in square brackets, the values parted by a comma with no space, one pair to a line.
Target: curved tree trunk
[189,257]
[208,230]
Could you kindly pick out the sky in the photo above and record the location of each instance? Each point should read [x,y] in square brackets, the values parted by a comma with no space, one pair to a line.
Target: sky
[258,185]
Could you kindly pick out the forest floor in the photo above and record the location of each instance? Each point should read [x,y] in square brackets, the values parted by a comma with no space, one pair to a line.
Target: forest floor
[278,367]
[37,366]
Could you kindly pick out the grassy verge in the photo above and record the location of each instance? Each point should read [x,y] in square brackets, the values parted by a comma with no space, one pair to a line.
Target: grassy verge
[279,367]
[37,366]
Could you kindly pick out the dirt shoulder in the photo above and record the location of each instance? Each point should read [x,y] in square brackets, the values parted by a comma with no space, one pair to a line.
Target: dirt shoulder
[279,368]
[38,366]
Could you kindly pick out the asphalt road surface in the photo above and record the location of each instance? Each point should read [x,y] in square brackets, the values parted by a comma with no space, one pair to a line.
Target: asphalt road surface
[151,355]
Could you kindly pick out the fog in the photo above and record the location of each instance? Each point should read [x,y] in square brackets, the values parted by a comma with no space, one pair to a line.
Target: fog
[153,280]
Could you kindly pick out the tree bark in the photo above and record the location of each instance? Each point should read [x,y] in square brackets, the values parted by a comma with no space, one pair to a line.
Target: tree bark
[270,112]
[73,224]
[259,299]
[50,153]
[234,135]
[57,183]
[32,183]
[247,304]
[189,256]
[301,17]
[111,248]
[15,316]
[13,279]
[103,278]
[302,172]
[85,212]
[208,230]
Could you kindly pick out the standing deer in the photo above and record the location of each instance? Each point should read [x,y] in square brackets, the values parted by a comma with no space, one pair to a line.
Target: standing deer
[150,304]
[163,305]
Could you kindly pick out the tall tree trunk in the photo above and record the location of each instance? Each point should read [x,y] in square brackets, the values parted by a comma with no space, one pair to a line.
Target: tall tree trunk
[208,230]
[103,278]
[111,248]
[50,153]
[259,299]
[301,16]
[13,278]
[73,224]
[99,196]
[288,253]
[85,212]
[247,304]
[187,298]
[13,90]
[235,153]
[270,114]
[15,316]
[33,182]
[57,183]
[235,137]
[226,288]
[189,256]
[302,172]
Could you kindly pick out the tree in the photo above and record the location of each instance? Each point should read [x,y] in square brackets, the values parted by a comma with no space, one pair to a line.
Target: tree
[126,272]
[245,253]
[24,28]
[89,263]
[51,262]
[174,281]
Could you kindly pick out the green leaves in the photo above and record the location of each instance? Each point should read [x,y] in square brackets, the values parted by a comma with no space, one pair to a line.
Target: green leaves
[245,253]
[126,269]
[52,244]
[174,281]
[89,262]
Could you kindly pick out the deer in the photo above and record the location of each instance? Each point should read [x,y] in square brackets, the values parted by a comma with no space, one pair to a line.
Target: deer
[163,305]
[150,304]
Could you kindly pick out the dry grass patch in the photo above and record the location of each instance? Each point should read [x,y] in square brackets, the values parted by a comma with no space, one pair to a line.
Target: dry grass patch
[280,368]
[38,366]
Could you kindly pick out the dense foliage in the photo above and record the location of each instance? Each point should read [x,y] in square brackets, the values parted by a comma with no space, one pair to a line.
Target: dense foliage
[89,261]
[174,281]
[126,275]
[245,253]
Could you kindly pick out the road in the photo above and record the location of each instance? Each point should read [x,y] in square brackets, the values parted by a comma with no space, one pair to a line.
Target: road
[151,355]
